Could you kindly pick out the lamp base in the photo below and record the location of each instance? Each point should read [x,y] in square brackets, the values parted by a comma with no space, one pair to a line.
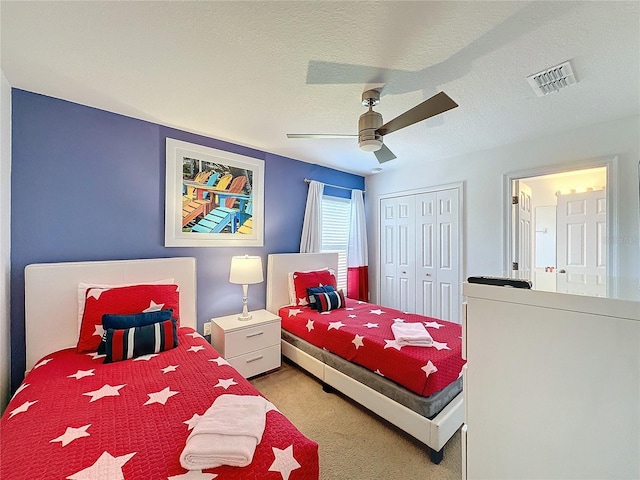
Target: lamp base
[244,316]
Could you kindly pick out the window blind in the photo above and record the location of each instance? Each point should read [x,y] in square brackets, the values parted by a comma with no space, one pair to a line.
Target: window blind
[336,219]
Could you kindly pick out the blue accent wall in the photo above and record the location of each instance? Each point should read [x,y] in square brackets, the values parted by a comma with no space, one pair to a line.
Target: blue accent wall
[89,185]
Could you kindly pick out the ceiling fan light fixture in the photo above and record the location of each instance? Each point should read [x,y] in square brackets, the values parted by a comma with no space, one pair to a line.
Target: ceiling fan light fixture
[370,144]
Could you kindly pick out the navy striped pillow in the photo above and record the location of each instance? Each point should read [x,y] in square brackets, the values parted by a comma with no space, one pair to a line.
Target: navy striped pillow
[124,343]
[312,291]
[329,300]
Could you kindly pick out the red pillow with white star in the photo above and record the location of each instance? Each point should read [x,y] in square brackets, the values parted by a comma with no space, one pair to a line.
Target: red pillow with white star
[304,280]
[122,301]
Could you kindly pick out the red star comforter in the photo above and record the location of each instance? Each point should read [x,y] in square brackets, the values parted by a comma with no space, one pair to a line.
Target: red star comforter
[74,417]
[361,333]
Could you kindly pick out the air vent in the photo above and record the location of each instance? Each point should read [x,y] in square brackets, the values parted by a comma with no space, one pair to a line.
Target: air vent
[552,80]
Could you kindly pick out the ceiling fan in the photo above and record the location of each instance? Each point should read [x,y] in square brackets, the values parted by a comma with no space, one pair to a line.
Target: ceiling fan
[371,130]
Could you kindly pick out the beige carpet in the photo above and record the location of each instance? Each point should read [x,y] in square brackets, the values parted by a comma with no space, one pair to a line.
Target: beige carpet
[354,443]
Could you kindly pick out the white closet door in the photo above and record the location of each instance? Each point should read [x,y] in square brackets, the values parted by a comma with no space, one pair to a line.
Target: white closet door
[420,254]
[448,258]
[406,271]
[388,252]
[426,254]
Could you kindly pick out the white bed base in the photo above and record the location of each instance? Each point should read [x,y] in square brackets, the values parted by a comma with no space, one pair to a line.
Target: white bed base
[433,433]
[51,296]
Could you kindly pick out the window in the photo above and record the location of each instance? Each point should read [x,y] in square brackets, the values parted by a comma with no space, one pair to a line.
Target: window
[336,220]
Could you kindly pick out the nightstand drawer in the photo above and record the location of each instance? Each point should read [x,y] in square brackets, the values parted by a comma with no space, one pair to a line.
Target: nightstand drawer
[253,363]
[251,339]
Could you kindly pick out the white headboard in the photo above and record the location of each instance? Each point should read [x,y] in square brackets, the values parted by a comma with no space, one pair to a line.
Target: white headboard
[280,264]
[51,296]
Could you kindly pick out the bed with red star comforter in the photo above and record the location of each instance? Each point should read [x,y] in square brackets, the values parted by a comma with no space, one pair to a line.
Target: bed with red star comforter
[75,417]
[361,333]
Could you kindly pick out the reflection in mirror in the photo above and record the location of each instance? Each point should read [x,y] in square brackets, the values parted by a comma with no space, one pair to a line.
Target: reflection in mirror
[545,246]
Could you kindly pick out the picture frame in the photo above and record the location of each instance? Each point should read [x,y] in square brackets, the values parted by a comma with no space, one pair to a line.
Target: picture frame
[213,198]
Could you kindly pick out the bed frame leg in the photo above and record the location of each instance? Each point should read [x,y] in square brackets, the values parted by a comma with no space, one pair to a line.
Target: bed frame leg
[436,455]
[327,388]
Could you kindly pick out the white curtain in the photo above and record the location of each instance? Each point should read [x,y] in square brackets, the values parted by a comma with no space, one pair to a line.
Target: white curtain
[358,255]
[357,259]
[311,240]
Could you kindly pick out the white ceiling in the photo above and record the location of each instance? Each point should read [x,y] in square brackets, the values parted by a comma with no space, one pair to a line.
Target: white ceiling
[251,72]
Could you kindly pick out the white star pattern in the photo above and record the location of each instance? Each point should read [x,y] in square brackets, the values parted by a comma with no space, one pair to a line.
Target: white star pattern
[220,361]
[20,388]
[357,341]
[376,312]
[398,320]
[99,331]
[170,368]
[82,373]
[303,301]
[195,348]
[370,325]
[349,308]
[225,383]
[192,422]
[379,373]
[310,325]
[96,292]
[160,397]
[335,325]
[107,467]
[429,368]
[22,408]
[194,475]
[104,391]
[284,462]
[360,302]
[352,316]
[293,312]
[153,307]
[392,344]
[440,346]
[72,434]
[433,325]
[96,355]
[145,358]
[43,362]
[194,335]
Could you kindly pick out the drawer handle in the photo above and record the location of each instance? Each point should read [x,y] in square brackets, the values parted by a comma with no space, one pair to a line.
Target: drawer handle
[254,334]
[255,358]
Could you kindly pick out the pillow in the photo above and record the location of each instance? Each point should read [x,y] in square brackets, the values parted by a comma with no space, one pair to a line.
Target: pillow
[311,291]
[292,288]
[124,343]
[82,292]
[128,321]
[329,301]
[123,301]
[304,280]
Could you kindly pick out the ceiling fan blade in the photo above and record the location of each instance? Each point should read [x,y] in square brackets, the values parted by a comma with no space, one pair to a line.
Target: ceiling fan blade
[439,103]
[320,135]
[384,154]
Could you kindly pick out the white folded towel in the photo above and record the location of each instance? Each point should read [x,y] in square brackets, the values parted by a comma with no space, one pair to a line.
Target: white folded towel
[227,433]
[411,334]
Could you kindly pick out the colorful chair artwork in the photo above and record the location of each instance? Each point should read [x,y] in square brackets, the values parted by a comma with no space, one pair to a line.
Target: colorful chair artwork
[223,217]
[201,202]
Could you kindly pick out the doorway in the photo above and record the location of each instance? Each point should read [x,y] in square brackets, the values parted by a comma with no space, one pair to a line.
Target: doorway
[558,225]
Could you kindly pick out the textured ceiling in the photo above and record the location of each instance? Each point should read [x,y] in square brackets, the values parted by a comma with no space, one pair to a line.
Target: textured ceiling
[251,72]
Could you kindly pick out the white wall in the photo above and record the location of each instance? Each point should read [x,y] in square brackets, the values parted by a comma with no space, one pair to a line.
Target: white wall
[5,238]
[482,173]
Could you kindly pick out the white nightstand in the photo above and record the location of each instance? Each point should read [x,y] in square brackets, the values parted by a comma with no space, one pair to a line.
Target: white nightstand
[251,346]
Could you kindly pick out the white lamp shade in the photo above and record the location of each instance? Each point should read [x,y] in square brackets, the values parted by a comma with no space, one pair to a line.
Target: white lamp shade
[246,270]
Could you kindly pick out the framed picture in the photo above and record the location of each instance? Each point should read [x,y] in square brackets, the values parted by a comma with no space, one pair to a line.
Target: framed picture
[213,198]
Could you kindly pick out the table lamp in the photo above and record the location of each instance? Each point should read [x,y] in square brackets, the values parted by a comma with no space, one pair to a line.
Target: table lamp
[245,270]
